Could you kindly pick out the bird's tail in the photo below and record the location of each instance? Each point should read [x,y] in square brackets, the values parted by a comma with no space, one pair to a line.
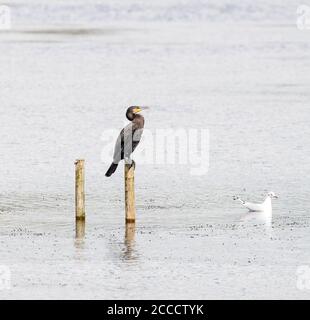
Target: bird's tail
[111,170]
[237,198]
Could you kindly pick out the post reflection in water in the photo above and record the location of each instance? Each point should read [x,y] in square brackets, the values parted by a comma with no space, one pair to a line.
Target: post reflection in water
[130,234]
[79,244]
[80,229]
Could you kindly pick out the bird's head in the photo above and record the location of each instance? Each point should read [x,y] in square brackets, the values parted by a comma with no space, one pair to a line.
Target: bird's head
[272,195]
[133,111]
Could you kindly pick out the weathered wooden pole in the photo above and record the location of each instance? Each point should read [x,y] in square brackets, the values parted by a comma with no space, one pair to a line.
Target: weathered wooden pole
[130,208]
[79,198]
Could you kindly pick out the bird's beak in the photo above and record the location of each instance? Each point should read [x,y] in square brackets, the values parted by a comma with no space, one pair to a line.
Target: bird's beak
[276,197]
[139,109]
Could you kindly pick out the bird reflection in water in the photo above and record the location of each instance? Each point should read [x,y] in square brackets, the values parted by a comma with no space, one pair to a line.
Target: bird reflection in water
[263,219]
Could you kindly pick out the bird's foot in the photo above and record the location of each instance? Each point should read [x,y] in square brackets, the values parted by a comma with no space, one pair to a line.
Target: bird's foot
[133,164]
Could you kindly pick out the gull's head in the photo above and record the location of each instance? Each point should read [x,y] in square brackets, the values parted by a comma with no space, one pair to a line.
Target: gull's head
[272,195]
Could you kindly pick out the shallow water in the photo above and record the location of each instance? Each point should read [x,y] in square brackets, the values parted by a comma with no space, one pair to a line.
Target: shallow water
[68,72]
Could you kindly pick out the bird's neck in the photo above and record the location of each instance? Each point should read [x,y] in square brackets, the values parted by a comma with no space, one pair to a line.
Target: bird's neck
[268,199]
[138,120]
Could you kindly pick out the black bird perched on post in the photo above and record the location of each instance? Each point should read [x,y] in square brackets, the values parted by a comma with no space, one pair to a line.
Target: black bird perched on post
[128,138]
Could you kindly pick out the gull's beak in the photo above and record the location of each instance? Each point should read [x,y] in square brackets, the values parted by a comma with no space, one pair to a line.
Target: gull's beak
[276,197]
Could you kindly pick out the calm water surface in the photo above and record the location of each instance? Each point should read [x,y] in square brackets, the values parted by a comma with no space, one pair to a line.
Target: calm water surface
[68,72]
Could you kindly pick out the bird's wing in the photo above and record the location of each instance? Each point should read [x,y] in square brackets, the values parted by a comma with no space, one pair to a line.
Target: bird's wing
[254,206]
[124,143]
[136,138]
[128,145]
[118,148]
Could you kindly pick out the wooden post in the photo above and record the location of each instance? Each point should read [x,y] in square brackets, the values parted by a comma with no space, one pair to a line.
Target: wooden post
[79,198]
[130,208]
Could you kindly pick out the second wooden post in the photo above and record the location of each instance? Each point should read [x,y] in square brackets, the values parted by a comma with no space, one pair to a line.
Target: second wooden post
[79,198]
[130,208]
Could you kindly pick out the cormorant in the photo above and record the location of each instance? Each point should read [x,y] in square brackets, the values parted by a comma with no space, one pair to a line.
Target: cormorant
[128,138]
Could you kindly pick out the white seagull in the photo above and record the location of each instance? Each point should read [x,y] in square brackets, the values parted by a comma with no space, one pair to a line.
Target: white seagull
[266,206]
